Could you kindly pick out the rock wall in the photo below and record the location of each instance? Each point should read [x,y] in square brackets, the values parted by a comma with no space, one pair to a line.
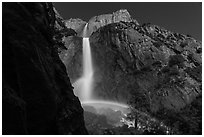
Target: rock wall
[130,58]
[99,21]
[37,96]
[155,70]
[77,25]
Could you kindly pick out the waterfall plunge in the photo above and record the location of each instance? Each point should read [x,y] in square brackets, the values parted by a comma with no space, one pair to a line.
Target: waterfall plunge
[83,86]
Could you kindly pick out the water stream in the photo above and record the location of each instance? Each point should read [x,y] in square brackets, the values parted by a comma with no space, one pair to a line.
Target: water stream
[83,86]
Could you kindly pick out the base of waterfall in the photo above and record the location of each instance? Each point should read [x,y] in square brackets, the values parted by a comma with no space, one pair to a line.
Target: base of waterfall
[114,112]
[101,104]
[112,118]
[100,116]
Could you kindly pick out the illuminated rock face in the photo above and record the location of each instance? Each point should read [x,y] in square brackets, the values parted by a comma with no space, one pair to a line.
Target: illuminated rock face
[99,21]
[148,62]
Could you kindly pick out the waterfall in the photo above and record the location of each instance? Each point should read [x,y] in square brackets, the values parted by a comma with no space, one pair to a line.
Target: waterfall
[83,86]
[83,89]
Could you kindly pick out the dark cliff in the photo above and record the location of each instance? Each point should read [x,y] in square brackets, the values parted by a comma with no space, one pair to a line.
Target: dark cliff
[37,94]
[155,70]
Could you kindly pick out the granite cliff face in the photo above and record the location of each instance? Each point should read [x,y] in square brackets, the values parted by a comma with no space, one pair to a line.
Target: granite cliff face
[159,66]
[155,70]
[99,21]
[37,94]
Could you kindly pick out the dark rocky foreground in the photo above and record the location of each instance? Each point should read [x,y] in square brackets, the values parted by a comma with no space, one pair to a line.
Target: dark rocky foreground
[37,95]
[154,70]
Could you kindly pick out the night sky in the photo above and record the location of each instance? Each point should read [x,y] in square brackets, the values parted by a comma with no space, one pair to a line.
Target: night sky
[185,18]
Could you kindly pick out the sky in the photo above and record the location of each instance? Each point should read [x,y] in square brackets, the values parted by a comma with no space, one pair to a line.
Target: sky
[181,17]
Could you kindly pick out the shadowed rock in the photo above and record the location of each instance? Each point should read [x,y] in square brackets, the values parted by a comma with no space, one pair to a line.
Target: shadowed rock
[37,94]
